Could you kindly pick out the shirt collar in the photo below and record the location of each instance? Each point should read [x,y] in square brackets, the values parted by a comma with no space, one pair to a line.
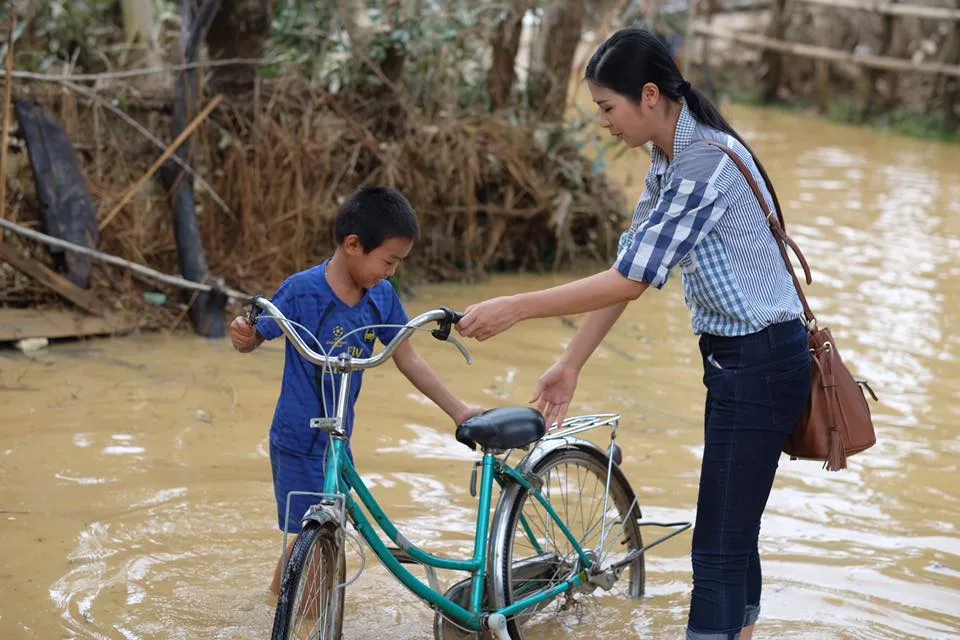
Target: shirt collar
[686,124]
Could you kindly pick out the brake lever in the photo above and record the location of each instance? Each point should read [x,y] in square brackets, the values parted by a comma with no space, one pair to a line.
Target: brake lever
[443,332]
[463,349]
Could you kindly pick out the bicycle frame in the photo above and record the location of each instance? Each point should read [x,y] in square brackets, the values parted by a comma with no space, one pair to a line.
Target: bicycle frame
[342,479]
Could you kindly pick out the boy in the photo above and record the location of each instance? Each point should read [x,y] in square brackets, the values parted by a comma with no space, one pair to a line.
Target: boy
[374,230]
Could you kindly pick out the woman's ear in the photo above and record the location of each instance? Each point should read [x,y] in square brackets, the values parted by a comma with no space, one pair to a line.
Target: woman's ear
[650,95]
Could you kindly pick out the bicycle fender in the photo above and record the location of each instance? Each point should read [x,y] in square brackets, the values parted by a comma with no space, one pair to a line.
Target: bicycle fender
[545,447]
[322,514]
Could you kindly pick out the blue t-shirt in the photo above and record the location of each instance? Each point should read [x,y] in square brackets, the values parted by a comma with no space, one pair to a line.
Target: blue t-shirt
[307,298]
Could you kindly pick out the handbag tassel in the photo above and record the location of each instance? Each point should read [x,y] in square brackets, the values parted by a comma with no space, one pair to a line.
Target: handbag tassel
[836,455]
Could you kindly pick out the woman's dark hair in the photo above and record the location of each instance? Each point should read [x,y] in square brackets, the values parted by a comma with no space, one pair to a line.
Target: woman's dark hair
[631,58]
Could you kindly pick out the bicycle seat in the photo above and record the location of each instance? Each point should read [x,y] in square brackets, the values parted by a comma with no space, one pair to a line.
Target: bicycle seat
[503,428]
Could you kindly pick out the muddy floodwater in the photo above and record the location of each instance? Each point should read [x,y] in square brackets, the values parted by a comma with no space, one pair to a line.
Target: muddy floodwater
[135,493]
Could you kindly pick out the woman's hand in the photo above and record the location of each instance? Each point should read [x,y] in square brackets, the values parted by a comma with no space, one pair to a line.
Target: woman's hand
[486,319]
[555,391]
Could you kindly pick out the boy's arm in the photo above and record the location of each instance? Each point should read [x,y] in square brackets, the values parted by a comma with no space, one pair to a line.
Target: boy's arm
[428,382]
[246,336]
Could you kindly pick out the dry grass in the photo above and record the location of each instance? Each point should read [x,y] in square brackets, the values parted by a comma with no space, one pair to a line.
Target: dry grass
[489,197]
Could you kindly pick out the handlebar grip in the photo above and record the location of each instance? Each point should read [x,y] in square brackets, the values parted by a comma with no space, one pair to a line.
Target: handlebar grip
[451,318]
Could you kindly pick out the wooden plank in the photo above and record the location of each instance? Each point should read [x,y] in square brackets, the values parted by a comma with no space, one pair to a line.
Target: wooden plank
[891,8]
[740,6]
[49,278]
[823,53]
[17,324]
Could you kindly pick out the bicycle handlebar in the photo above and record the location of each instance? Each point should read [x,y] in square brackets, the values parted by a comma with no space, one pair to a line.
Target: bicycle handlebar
[446,318]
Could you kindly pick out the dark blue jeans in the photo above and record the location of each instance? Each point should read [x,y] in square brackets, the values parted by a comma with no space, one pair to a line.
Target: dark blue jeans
[758,386]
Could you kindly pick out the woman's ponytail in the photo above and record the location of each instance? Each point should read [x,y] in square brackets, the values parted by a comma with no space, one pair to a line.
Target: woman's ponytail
[631,58]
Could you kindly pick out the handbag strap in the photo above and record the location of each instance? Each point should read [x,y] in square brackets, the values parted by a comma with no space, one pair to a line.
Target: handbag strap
[777,227]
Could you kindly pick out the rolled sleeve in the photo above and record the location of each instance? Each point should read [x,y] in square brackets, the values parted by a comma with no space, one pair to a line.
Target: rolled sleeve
[396,318]
[285,300]
[686,212]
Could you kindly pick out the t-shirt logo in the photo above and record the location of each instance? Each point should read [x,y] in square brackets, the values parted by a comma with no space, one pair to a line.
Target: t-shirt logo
[370,335]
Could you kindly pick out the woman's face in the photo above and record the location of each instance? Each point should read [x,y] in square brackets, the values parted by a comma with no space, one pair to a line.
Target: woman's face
[629,121]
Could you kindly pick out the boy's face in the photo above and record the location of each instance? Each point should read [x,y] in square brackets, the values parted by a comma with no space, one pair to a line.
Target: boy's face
[370,269]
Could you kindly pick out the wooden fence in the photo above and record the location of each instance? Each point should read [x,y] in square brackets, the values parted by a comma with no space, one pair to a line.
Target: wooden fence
[775,47]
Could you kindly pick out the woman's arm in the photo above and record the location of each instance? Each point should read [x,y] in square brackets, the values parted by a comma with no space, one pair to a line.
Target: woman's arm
[487,319]
[557,385]
[591,334]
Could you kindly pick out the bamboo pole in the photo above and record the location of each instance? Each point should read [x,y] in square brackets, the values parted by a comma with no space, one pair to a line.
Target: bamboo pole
[823,53]
[176,281]
[162,159]
[891,8]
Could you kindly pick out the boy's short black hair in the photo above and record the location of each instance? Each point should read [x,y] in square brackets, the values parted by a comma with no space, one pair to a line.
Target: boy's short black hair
[376,214]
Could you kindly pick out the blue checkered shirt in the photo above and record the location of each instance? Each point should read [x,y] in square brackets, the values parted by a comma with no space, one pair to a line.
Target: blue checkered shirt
[698,212]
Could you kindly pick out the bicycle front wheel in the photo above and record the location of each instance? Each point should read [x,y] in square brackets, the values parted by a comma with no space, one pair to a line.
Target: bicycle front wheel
[312,590]
[532,555]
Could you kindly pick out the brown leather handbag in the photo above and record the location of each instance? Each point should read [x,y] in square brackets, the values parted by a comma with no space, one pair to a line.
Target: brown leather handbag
[837,422]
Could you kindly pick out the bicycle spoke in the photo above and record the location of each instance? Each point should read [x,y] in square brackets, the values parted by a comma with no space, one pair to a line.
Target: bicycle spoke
[577,489]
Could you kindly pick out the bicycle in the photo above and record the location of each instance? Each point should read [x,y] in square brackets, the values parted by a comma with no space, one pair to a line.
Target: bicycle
[528,563]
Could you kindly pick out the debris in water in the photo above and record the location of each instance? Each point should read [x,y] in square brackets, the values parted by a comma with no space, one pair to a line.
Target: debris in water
[29,345]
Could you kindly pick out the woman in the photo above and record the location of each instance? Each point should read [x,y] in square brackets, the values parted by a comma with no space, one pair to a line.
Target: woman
[697,211]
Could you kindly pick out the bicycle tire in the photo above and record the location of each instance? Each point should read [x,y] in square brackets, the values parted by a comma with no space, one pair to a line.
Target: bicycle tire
[503,562]
[320,541]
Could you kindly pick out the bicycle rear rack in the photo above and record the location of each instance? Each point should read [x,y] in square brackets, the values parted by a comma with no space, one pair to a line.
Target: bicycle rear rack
[579,424]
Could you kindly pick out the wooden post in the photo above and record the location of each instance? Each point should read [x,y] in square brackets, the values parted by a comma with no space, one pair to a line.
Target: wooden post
[207,309]
[771,62]
[506,43]
[950,86]
[868,84]
[549,81]
[822,67]
[238,30]
[899,41]
[688,38]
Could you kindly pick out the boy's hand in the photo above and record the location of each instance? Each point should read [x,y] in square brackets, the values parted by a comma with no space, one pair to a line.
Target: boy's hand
[244,335]
[468,412]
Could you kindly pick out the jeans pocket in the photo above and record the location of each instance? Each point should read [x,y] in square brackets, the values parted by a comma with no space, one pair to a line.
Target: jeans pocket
[734,363]
[789,390]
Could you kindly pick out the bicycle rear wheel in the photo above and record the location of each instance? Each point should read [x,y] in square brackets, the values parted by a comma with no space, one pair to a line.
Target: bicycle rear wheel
[531,554]
[312,590]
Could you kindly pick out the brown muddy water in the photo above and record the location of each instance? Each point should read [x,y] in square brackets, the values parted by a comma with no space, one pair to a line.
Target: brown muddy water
[135,495]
